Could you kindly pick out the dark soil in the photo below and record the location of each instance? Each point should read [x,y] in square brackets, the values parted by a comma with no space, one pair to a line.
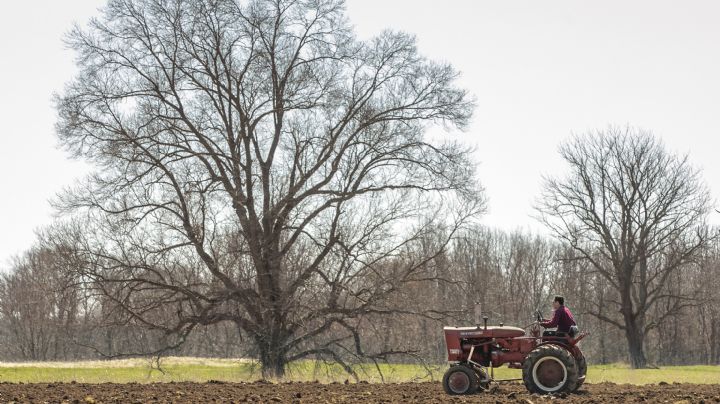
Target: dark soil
[219,392]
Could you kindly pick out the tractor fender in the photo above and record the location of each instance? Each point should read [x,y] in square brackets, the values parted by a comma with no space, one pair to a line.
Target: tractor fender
[573,349]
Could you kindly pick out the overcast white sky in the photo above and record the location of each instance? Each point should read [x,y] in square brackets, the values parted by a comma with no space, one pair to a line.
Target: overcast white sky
[540,70]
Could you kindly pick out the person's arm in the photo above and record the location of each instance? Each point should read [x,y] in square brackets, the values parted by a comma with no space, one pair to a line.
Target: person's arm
[554,322]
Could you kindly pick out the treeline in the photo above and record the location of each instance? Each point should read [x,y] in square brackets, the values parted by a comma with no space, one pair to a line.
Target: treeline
[48,313]
[512,274]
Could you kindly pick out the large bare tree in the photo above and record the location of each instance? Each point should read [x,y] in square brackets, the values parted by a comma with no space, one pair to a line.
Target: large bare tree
[257,163]
[636,213]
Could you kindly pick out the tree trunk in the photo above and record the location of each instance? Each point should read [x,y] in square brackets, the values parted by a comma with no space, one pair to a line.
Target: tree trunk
[272,360]
[634,324]
[635,339]
[603,350]
[714,342]
[271,342]
[603,328]
[636,351]
[272,348]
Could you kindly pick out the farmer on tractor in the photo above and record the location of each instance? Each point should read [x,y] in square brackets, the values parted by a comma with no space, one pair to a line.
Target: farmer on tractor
[562,319]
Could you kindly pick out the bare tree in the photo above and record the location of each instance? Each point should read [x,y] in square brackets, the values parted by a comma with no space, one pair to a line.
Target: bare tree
[636,213]
[258,164]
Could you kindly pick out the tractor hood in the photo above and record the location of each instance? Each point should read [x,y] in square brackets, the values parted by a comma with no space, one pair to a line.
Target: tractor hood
[494,331]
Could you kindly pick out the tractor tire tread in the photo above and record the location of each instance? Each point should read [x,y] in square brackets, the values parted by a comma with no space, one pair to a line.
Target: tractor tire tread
[582,372]
[472,375]
[559,352]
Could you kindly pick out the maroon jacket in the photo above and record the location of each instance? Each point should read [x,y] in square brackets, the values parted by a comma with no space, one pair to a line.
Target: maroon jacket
[562,319]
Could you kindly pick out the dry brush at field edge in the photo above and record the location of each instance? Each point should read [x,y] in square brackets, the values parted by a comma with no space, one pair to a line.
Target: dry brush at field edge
[263,392]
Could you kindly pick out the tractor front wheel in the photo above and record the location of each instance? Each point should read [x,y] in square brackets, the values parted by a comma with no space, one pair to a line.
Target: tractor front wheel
[460,379]
[550,369]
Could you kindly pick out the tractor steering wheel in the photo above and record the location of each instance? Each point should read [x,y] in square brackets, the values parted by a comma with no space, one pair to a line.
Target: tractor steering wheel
[539,320]
[534,329]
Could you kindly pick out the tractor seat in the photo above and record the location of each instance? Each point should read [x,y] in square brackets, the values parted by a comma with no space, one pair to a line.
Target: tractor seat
[554,333]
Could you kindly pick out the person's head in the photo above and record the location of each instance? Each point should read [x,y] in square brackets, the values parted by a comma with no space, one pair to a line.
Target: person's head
[558,301]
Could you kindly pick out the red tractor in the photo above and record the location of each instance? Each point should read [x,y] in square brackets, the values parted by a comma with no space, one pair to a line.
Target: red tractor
[551,362]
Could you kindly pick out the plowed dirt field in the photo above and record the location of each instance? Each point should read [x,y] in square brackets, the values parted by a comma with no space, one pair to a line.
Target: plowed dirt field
[214,392]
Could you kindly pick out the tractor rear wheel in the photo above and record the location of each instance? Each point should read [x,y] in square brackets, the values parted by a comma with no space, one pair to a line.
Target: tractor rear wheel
[550,369]
[582,371]
[460,379]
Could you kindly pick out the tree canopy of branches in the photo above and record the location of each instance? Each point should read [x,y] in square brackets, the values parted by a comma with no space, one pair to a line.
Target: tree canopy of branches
[636,213]
[258,164]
